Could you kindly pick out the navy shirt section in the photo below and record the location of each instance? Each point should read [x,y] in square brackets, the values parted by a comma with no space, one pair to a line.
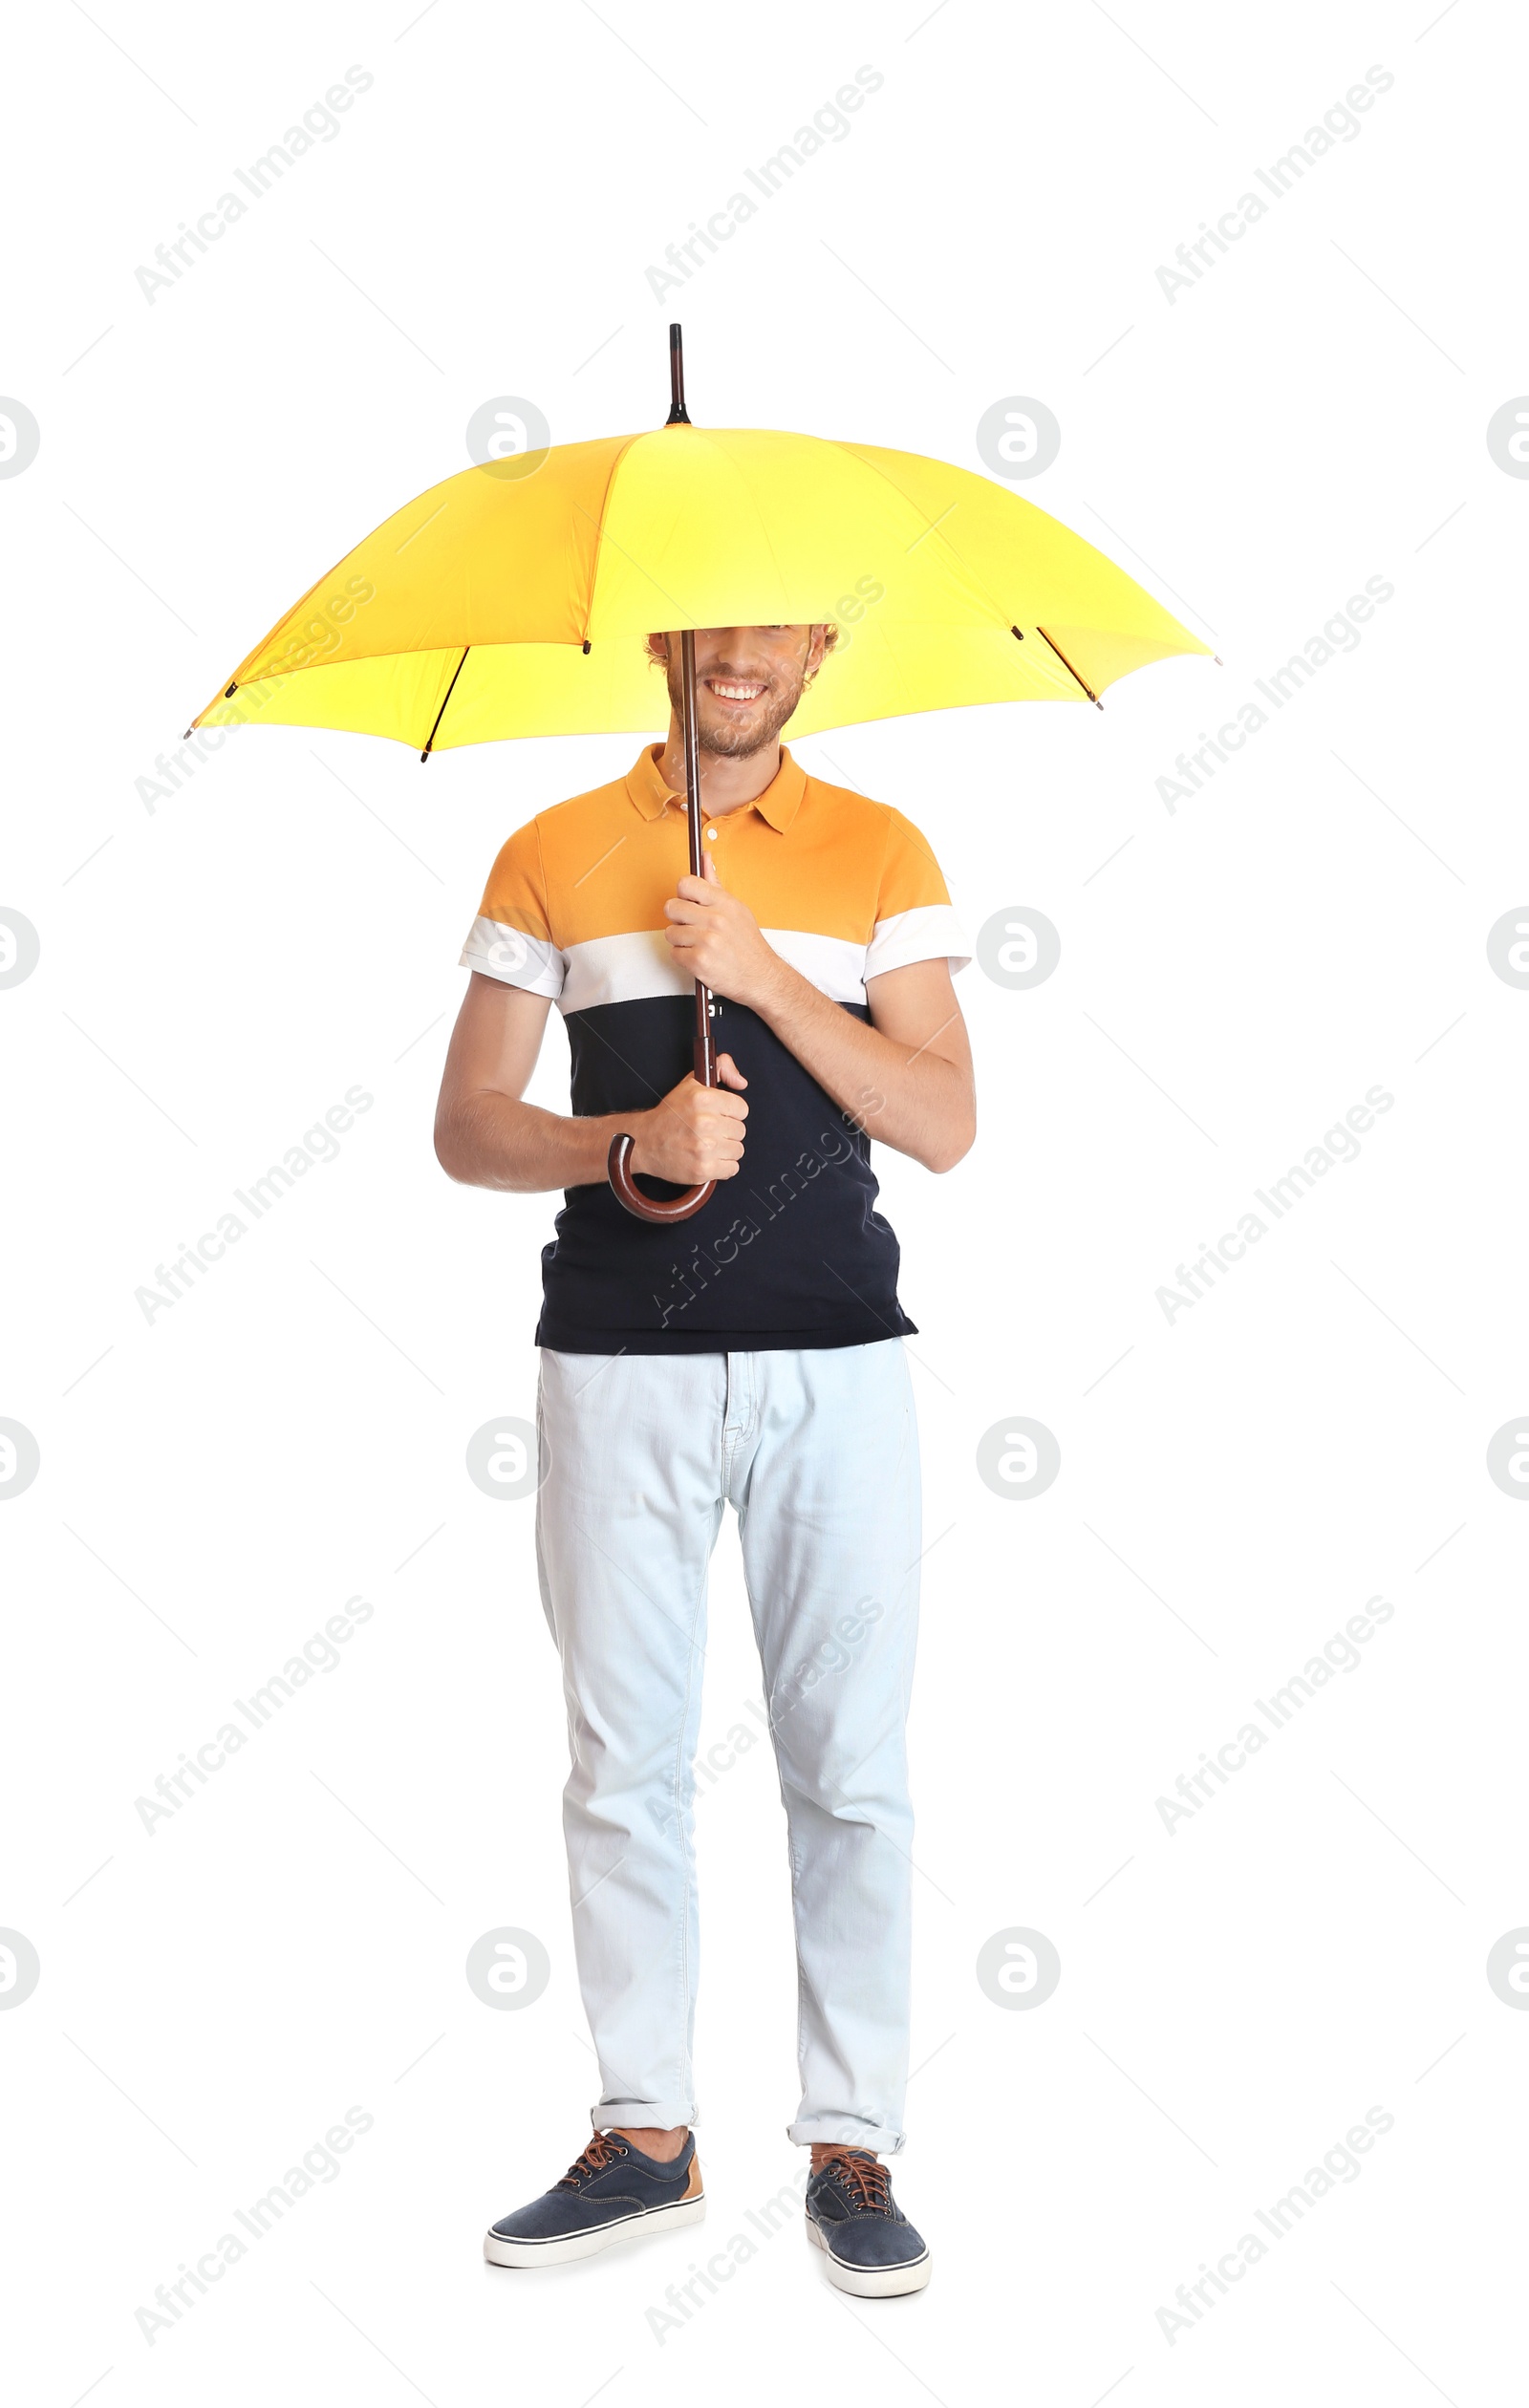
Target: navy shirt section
[791,1253]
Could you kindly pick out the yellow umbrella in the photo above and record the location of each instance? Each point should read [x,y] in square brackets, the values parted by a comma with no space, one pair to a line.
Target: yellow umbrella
[514,598]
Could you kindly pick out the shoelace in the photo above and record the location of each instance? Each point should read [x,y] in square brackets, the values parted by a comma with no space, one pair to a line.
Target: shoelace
[599,2153]
[864,2178]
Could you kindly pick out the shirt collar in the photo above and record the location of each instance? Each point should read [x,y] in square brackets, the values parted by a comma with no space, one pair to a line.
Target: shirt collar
[778,805]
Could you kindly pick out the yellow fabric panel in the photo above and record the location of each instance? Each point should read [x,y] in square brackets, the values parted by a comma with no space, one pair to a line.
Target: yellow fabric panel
[485,558]
[1101,655]
[1032,571]
[727,528]
[398,698]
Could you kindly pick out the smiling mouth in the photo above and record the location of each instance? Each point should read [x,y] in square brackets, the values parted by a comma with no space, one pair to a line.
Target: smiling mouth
[740,692]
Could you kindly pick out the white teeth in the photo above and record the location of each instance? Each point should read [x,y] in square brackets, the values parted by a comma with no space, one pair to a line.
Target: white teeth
[736,693]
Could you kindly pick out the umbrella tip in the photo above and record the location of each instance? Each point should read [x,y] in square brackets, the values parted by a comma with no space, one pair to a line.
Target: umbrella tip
[186,737]
[678,415]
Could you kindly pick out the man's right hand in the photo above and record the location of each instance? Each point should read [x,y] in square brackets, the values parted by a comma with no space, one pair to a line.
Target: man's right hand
[696,1134]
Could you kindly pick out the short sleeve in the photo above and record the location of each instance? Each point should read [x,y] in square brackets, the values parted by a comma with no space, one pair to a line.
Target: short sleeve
[511,938]
[915,918]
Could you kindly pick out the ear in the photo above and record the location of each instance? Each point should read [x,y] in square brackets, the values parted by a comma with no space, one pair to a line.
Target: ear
[657,649]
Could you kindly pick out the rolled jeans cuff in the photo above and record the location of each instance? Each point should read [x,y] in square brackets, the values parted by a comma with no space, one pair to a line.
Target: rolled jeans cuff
[849,2131]
[638,2114]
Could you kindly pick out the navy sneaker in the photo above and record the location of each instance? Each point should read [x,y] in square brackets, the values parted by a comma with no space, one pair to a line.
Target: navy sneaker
[871,2246]
[608,2194]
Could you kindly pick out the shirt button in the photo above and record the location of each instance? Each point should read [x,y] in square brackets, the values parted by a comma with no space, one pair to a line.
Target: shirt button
[712,833]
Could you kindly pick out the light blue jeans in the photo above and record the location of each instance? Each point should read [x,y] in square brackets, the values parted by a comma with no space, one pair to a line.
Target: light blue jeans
[818,1451]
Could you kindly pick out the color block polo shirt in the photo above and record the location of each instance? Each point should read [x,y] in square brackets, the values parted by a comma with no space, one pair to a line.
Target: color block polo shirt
[792,1252]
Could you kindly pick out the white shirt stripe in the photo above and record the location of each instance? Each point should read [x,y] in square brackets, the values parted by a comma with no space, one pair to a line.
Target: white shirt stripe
[630,969]
[929,932]
[516,959]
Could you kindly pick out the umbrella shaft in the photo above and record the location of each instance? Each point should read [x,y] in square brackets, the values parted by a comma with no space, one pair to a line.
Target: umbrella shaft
[706,1064]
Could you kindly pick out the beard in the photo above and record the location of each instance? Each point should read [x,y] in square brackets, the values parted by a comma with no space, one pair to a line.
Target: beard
[734,739]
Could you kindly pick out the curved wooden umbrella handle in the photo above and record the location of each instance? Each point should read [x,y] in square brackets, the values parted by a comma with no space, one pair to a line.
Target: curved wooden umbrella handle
[618,1163]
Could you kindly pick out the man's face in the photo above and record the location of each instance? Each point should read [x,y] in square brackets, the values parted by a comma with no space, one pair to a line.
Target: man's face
[748,682]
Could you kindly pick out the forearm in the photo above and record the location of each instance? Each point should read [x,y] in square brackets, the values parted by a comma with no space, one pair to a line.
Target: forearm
[488,1140]
[912,1099]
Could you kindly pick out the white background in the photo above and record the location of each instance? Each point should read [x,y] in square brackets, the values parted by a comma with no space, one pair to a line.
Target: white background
[1234,1483]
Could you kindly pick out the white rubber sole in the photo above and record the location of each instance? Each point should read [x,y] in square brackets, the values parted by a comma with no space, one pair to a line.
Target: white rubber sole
[498,2252]
[872,2281]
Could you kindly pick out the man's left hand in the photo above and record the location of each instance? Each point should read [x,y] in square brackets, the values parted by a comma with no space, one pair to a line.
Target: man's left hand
[716,937]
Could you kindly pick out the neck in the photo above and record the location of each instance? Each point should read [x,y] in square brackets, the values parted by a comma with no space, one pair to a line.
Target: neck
[725,782]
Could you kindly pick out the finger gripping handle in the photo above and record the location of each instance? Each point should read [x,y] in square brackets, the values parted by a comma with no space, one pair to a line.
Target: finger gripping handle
[679,1208]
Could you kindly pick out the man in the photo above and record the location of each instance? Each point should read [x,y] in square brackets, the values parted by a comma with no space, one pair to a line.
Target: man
[753,1353]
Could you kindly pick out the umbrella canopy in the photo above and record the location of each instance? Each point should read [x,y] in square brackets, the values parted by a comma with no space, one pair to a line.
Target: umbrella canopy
[513,598]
